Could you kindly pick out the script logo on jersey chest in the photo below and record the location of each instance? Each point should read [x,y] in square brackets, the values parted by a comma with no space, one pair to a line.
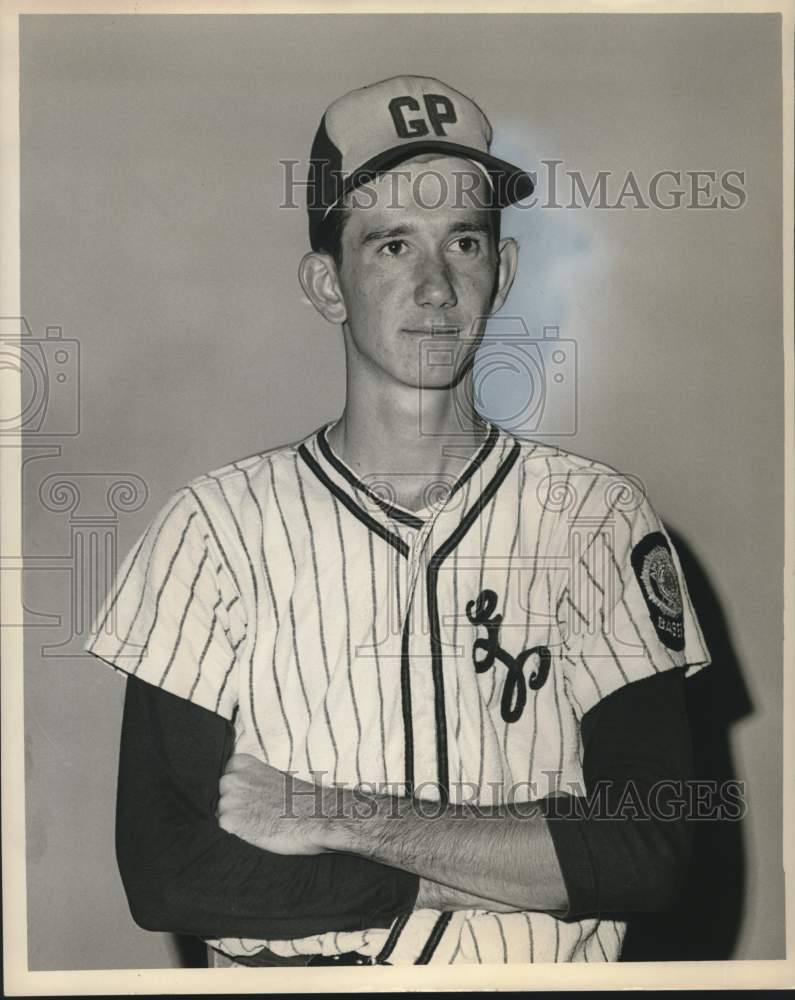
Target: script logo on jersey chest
[486,651]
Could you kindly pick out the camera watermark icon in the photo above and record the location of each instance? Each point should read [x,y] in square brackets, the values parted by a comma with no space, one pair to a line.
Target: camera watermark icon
[94,503]
[583,571]
[48,373]
[390,492]
[527,385]
[590,495]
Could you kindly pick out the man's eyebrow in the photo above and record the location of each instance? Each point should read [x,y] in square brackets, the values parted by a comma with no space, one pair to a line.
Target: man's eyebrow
[385,234]
[393,232]
[472,226]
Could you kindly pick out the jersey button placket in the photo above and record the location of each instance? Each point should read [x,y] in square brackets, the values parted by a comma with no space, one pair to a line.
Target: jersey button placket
[423,705]
[411,539]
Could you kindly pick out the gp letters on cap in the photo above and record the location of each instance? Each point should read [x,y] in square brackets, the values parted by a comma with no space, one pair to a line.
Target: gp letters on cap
[659,584]
[439,112]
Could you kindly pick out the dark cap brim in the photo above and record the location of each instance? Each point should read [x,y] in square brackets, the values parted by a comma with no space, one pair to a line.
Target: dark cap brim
[511,183]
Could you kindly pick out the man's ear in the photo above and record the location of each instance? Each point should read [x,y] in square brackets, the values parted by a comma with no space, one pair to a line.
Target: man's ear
[508,252]
[317,273]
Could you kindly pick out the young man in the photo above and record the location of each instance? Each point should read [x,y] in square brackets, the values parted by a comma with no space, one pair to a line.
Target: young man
[408,647]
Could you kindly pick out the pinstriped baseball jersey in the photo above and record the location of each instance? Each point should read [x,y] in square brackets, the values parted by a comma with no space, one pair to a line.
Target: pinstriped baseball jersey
[448,652]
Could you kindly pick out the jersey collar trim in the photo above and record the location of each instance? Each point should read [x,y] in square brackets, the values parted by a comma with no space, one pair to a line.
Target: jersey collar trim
[345,499]
[394,511]
[397,513]
[387,519]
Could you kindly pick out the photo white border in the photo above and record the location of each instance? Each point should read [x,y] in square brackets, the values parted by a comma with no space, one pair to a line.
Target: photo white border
[18,979]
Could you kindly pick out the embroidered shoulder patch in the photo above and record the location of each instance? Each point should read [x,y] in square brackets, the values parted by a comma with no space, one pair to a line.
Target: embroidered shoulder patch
[659,584]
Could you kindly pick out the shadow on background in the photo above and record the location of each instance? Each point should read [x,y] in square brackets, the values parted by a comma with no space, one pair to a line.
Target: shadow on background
[191,951]
[704,925]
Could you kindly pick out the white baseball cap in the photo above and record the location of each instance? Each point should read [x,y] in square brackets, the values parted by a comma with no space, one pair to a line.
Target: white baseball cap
[374,128]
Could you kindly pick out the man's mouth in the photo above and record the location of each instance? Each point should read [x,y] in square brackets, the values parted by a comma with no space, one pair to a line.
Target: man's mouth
[435,330]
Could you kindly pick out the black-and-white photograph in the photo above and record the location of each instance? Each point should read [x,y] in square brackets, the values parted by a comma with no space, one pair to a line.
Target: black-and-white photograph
[395,429]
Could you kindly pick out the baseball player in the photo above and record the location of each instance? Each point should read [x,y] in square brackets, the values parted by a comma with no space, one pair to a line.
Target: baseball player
[409,647]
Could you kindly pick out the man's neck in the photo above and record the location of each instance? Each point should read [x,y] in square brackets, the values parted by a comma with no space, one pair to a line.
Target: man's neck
[404,447]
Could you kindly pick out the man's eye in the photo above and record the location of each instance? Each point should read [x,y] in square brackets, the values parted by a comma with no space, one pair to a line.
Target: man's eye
[466,244]
[394,248]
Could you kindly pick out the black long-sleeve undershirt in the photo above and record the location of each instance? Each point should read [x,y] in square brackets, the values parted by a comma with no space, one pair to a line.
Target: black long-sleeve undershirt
[183,874]
[625,848]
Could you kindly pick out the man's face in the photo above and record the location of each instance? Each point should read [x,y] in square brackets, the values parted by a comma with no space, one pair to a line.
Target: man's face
[419,258]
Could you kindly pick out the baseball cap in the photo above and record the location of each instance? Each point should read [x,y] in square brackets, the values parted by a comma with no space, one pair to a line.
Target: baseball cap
[374,128]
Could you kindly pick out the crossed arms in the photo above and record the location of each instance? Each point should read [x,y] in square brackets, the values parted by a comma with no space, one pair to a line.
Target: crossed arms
[244,873]
[477,851]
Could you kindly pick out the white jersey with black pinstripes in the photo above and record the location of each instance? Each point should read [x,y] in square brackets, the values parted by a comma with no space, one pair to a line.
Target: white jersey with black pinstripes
[448,652]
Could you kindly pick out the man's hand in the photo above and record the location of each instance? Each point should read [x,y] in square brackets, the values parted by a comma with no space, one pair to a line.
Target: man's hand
[270,809]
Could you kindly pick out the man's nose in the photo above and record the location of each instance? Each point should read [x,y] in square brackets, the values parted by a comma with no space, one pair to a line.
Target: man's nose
[434,287]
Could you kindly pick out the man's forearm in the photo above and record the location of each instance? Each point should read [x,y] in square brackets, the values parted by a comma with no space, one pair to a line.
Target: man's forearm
[435,896]
[491,852]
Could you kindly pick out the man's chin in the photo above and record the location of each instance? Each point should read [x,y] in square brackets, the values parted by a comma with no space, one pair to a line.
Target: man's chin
[433,382]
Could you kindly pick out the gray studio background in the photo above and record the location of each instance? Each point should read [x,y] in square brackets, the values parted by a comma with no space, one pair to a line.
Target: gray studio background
[151,235]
